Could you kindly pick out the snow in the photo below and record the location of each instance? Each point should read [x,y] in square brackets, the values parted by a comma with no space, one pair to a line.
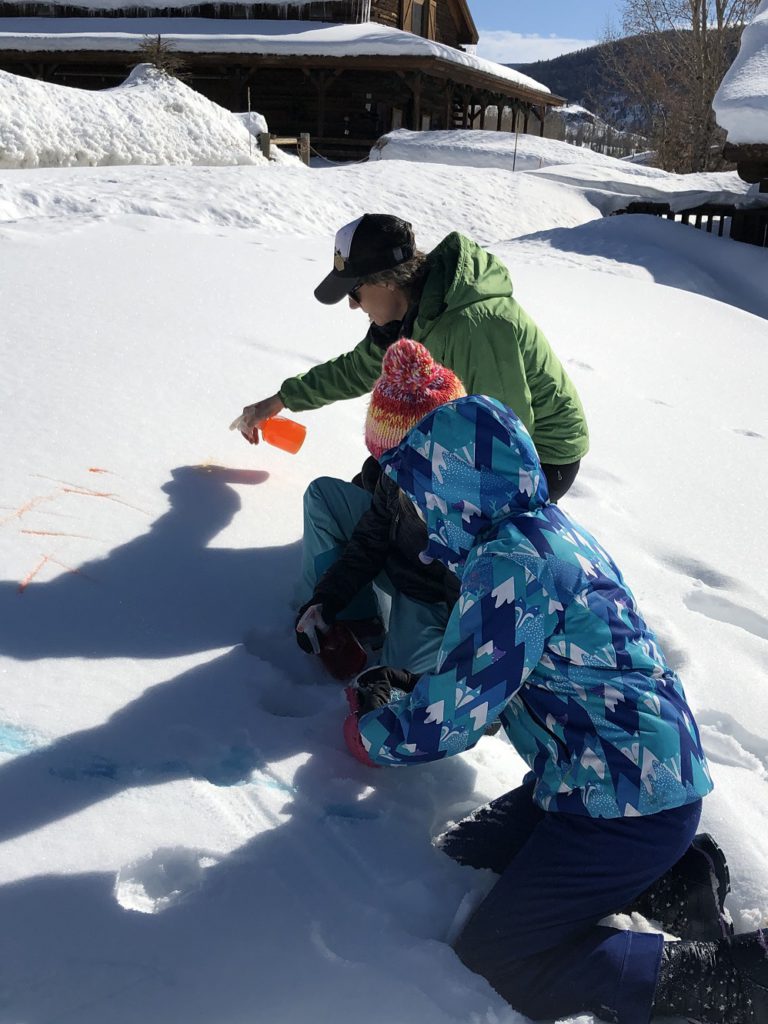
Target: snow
[151,118]
[184,838]
[225,35]
[741,102]
[608,183]
[482,149]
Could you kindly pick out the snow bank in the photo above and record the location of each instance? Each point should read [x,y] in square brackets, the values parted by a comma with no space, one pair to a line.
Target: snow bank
[483,149]
[300,202]
[741,102]
[150,119]
[608,182]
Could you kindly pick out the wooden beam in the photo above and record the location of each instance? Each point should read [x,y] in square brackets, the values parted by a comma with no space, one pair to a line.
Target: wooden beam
[322,81]
[415,85]
[432,67]
[432,19]
[448,91]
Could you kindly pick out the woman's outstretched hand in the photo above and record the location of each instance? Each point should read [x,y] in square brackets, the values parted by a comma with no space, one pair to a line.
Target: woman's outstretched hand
[252,415]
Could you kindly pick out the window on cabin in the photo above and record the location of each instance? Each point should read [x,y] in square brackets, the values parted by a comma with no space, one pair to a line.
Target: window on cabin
[420,18]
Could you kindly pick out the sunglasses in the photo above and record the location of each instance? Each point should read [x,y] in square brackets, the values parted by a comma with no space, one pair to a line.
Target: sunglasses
[354,293]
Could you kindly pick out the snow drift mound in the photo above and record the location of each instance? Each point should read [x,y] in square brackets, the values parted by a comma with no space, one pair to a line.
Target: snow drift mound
[483,149]
[741,102]
[150,118]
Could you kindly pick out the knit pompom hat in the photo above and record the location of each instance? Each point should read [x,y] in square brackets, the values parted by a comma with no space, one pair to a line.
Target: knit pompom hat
[411,385]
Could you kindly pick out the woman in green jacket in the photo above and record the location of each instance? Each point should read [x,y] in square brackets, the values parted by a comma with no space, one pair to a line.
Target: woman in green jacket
[458,302]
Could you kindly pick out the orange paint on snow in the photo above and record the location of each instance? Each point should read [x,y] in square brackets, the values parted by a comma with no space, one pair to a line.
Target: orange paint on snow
[43,562]
[30,505]
[87,491]
[96,469]
[75,572]
[55,533]
[31,575]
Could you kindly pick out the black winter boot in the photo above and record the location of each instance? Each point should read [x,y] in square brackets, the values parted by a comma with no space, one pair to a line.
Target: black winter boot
[723,982]
[689,899]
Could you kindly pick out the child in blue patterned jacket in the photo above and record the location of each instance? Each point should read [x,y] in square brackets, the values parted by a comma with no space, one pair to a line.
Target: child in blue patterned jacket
[546,637]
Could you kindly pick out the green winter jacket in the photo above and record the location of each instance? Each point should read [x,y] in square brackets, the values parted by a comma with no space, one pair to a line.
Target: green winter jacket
[470,322]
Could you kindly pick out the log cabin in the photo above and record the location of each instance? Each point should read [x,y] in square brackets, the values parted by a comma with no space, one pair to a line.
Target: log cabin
[346,71]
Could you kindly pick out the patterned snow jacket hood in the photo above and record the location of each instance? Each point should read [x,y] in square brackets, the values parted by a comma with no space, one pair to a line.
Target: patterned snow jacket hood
[546,635]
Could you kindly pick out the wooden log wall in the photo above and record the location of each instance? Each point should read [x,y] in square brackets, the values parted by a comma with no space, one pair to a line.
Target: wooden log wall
[335,11]
[446,29]
[387,12]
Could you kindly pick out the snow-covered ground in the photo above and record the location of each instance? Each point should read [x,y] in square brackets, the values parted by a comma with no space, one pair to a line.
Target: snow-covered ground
[183,838]
[483,149]
[609,183]
[741,102]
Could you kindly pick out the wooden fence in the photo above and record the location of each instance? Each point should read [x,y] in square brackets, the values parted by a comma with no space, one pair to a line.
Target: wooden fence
[739,223]
[301,142]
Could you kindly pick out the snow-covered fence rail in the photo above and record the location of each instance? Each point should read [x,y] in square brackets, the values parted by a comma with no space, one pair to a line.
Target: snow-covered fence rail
[739,223]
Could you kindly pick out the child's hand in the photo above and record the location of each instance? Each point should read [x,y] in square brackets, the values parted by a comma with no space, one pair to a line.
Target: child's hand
[374,686]
[310,625]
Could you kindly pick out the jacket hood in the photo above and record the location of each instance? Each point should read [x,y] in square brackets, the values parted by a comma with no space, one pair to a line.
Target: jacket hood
[461,274]
[468,466]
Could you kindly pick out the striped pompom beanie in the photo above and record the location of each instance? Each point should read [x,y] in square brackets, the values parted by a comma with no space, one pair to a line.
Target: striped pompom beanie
[411,385]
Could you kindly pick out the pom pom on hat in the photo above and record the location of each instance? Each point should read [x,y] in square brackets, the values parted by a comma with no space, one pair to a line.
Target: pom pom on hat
[411,385]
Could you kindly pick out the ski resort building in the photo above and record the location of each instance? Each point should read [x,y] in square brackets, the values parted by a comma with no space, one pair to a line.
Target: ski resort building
[345,71]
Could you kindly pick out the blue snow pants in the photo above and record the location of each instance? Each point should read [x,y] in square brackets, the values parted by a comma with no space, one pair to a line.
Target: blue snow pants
[536,936]
[415,630]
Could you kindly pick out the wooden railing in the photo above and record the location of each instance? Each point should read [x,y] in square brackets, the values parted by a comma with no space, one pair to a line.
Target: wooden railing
[742,224]
[301,142]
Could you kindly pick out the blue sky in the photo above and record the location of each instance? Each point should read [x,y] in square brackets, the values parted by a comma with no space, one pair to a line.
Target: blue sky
[513,31]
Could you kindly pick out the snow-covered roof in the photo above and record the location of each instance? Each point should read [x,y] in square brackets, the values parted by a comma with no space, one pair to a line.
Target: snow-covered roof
[268,38]
[741,102]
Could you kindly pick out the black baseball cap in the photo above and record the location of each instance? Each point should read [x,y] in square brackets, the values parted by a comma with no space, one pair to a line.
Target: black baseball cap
[368,245]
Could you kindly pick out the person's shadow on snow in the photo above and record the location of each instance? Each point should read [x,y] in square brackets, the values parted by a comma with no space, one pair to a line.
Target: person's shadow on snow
[162,594]
[282,928]
[199,725]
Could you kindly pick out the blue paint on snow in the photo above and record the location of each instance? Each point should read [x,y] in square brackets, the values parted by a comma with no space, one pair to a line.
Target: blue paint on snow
[232,767]
[352,812]
[14,740]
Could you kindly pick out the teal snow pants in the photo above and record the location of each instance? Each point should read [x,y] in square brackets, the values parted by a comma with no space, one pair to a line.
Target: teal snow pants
[415,629]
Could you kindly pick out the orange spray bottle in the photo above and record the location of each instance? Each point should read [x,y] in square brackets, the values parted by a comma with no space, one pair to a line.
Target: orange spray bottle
[279,431]
[283,433]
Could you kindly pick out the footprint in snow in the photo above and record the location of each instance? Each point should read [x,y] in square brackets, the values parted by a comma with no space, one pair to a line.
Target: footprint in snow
[284,699]
[698,570]
[749,433]
[161,880]
[727,742]
[721,609]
